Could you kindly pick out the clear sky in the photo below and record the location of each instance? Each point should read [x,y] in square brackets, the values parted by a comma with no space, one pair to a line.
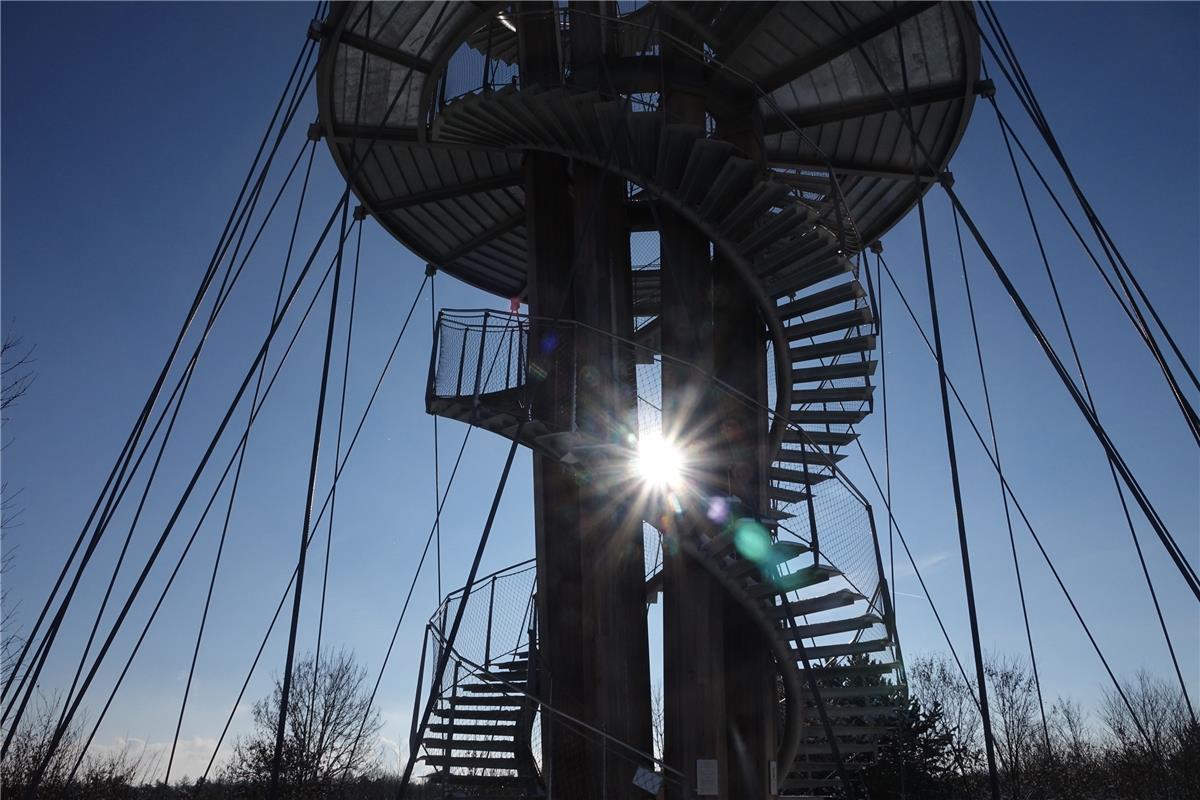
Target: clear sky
[126,130]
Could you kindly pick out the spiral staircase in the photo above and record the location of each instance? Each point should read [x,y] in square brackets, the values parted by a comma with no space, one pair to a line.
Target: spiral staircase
[436,158]
[792,593]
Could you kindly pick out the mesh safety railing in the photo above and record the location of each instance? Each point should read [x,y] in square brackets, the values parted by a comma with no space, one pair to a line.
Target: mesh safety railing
[493,663]
[565,389]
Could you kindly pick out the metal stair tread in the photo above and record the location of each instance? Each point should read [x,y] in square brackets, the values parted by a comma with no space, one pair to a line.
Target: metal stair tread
[474,745]
[834,394]
[499,701]
[799,476]
[500,715]
[794,434]
[837,347]
[859,368]
[846,649]
[806,455]
[787,495]
[847,625]
[800,579]
[473,729]
[829,324]
[473,762]
[847,292]
[811,416]
[813,605]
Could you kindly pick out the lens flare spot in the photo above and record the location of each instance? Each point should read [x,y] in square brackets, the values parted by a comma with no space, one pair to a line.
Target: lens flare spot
[751,540]
[718,510]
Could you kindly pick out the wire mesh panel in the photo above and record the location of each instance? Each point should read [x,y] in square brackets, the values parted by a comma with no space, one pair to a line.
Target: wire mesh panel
[827,597]
[483,355]
[495,623]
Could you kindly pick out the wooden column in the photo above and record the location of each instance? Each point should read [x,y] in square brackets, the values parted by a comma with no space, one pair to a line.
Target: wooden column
[611,527]
[693,602]
[549,224]
[740,360]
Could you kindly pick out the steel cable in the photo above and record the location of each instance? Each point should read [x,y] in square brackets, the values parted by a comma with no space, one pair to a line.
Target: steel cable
[1012,541]
[337,476]
[1020,510]
[1101,434]
[1092,404]
[1029,100]
[238,472]
[235,456]
[153,395]
[118,493]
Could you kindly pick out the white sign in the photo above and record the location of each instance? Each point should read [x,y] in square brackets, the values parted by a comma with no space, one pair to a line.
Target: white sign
[774,779]
[646,779]
[706,776]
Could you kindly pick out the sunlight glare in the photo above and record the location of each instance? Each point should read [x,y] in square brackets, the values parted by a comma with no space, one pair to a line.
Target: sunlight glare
[659,463]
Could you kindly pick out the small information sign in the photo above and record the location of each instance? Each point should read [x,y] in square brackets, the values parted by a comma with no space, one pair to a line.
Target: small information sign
[646,779]
[706,777]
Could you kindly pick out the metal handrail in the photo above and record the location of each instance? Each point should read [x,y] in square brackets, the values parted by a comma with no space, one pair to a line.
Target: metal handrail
[458,316]
[476,668]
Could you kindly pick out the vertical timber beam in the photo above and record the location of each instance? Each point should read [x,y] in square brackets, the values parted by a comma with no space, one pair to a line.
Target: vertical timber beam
[556,501]
[693,602]
[740,360]
[610,523]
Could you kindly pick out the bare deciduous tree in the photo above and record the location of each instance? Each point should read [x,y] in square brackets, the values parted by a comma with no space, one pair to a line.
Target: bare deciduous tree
[1015,724]
[111,774]
[16,376]
[1153,747]
[1151,751]
[938,683]
[327,707]
[15,380]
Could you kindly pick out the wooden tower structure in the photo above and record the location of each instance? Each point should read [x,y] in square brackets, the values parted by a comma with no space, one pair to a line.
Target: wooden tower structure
[678,191]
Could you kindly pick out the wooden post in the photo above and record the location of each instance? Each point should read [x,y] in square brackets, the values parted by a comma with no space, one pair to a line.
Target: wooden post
[740,360]
[549,226]
[610,523]
[693,602]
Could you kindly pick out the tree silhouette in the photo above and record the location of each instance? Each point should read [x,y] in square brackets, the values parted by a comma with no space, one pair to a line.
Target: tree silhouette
[331,729]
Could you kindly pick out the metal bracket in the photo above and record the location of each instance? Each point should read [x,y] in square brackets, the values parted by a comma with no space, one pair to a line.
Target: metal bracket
[315,134]
[360,213]
[876,247]
[316,30]
[430,270]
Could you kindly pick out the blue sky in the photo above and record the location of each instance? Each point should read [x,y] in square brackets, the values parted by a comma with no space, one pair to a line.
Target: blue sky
[126,132]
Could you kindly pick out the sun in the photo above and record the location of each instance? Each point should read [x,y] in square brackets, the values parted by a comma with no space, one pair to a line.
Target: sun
[659,463]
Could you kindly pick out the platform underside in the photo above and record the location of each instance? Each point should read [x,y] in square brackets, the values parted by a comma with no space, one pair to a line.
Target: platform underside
[823,111]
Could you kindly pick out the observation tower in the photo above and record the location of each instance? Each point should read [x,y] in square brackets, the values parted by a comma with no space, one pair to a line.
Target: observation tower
[679,193]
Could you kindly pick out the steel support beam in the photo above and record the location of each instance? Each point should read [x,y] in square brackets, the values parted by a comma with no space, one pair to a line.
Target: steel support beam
[496,231]
[855,170]
[806,63]
[456,190]
[840,112]
[347,134]
[374,48]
